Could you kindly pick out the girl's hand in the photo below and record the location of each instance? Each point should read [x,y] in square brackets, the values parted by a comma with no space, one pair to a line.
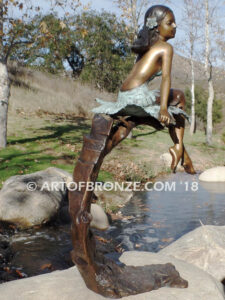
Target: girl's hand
[164,116]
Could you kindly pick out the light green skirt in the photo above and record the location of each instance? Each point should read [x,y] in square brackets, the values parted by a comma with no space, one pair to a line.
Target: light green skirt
[140,102]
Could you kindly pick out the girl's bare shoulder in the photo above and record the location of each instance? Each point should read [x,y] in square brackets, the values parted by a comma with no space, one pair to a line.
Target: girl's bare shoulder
[161,47]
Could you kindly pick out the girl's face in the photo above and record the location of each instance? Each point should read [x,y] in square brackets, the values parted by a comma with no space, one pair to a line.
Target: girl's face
[167,28]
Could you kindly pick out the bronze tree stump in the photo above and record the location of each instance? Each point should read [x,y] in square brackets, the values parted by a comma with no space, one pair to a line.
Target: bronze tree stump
[101,274]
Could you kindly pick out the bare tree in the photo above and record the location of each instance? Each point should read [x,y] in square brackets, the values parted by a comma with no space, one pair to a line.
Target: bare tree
[212,31]
[131,12]
[208,72]
[205,38]
[10,33]
[190,24]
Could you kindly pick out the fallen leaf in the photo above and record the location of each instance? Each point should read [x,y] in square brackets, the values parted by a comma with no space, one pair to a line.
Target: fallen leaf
[146,209]
[7,269]
[101,239]
[167,240]
[161,246]
[46,266]
[12,226]
[19,273]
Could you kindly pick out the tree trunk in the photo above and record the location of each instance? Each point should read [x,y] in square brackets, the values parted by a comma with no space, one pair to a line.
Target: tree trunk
[209,127]
[193,121]
[4,99]
[208,72]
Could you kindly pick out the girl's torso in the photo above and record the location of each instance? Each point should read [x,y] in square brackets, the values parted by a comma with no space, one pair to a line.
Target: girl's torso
[146,68]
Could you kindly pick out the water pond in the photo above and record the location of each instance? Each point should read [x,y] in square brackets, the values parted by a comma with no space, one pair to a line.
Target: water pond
[177,204]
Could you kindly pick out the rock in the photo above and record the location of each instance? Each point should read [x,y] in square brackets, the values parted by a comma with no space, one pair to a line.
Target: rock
[68,284]
[27,208]
[57,285]
[201,285]
[33,199]
[216,174]
[203,247]
[100,219]
[66,176]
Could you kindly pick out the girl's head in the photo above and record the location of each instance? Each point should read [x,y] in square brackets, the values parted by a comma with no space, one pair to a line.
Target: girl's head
[149,34]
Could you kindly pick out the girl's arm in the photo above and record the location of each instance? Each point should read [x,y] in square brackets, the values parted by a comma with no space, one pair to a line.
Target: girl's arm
[167,57]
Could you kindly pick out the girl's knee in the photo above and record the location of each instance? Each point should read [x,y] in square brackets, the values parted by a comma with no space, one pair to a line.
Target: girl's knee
[180,99]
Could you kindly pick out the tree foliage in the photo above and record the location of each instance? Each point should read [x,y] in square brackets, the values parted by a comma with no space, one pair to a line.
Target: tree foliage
[13,31]
[95,46]
[50,46]
[103,42]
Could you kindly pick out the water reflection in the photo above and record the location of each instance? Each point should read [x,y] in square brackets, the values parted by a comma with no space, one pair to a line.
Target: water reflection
[163,216]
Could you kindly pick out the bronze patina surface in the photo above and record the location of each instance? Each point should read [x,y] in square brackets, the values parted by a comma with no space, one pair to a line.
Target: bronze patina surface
[101,274]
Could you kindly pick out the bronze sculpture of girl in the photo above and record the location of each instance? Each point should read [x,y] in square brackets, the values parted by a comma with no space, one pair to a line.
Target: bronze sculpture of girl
[154,59]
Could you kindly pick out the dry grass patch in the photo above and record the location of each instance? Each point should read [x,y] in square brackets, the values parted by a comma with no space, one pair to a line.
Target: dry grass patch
[37,91]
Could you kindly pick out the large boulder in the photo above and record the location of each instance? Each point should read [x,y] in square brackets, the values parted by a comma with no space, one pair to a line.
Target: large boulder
[34,199]
[68,284]
[216,174]
[28,200]
[203,247]
[99,217]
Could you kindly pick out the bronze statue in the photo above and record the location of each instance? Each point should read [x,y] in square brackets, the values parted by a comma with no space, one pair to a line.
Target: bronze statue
[136,105]
[154,59]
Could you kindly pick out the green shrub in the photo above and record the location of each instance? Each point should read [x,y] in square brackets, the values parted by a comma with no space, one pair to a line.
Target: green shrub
[201,97]
[223,137]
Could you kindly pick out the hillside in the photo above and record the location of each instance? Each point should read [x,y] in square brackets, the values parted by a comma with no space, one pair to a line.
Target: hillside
[38,92]
[34,91]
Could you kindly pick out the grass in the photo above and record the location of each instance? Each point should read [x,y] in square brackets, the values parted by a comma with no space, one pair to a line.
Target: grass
[32,149]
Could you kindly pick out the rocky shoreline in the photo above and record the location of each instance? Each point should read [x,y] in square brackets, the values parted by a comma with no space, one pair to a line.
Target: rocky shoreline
[21,211]
[198,256]
[202,248]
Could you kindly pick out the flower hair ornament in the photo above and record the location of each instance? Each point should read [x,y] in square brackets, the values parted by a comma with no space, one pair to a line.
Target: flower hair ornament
[151,23]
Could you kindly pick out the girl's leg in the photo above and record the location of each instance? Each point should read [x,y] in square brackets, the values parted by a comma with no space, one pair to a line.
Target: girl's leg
[177,133]
[178,151]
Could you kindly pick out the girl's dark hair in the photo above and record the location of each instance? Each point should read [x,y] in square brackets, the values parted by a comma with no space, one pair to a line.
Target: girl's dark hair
[147,37]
